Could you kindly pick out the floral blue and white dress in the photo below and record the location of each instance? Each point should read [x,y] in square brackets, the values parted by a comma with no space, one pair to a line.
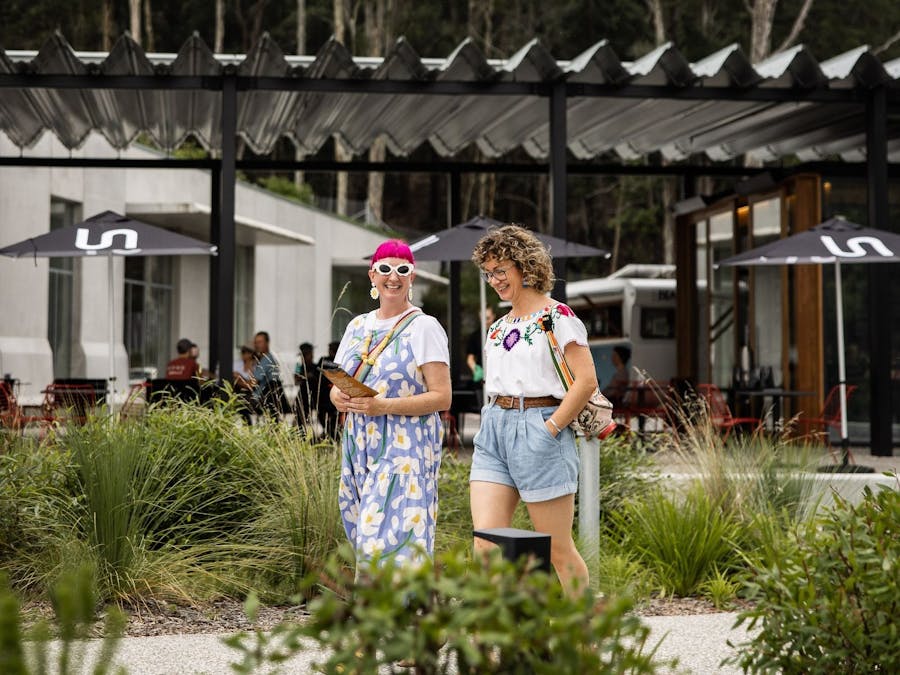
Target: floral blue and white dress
[388,489]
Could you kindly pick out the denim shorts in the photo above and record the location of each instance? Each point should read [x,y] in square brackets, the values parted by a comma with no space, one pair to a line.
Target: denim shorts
[513,447]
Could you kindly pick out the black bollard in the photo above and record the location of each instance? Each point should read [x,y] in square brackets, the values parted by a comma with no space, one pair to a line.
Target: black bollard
[515,543]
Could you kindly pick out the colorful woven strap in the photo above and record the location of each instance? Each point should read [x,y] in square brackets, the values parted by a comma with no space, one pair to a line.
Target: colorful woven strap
[556,354]
[365,365]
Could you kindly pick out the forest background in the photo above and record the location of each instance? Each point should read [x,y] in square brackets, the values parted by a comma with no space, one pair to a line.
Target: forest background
[628,215]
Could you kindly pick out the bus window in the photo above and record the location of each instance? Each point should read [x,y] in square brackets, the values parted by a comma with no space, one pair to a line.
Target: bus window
[604,321]
[658,323]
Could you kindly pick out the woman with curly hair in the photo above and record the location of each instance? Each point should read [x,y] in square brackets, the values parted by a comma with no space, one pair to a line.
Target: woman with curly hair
[524,449]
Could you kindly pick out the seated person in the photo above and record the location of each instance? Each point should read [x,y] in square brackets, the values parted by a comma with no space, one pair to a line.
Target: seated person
[183,367]
[617,387]
[242,372]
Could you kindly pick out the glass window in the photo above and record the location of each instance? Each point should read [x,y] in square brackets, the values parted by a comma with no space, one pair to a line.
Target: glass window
[149,292]
[658,323]
[61,313]
[721,299]
[244,272]
[604,321]
[766,325]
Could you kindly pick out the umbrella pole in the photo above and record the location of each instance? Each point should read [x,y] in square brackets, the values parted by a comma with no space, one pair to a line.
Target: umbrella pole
[482,298]
[842,375]
[112,331]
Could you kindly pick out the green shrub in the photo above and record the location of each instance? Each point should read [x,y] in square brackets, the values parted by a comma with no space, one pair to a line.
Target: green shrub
[682,539]
[454,616]
[830,604]
[29,473]
[185,504]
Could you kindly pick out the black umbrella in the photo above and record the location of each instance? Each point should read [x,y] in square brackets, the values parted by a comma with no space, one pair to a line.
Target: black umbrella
[108,234]
[835,241]
[458,242]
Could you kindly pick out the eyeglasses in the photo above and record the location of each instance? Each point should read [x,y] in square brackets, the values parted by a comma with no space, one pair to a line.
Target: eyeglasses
[497,273]
[403,269]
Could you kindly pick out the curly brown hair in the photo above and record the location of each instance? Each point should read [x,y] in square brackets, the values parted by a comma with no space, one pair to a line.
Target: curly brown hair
[515,243]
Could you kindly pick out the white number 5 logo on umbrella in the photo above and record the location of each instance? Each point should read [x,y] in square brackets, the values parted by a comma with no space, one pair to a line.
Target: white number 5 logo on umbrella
[107,240]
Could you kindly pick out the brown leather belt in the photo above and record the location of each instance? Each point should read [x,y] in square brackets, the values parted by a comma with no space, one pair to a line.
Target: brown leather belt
[509,402]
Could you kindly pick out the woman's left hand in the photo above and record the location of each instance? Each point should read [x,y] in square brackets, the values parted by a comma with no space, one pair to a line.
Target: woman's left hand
[368,405]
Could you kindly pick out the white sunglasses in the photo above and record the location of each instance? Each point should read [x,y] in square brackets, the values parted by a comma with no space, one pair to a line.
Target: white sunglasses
[403,269]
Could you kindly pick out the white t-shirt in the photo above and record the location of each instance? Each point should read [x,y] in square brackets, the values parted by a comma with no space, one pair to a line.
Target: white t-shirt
[517,353]
[427,338]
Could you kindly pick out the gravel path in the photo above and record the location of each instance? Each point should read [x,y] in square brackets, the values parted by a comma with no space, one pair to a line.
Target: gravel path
[699,642]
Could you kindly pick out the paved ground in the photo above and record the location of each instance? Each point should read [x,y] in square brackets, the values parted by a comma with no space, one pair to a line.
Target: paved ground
[699,642]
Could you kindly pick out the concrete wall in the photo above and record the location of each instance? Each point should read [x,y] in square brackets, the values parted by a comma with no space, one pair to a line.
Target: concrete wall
[292,285]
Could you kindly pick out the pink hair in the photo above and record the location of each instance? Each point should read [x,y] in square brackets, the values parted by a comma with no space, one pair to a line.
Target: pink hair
[393,248]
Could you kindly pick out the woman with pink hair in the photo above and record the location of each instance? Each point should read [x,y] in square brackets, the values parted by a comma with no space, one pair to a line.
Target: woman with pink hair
[392,442]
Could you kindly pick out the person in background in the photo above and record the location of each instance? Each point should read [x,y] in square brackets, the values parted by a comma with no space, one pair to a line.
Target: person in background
[391,443]
[244,383]
[268,392]
[327,413]
[617,386]
[242,373]
[306,374]
[183,367]
[205,374]
[473,350]
[525,449]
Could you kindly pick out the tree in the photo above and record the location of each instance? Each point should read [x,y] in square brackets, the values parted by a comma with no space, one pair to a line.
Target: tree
[379,37]
[219,31]
[134,13]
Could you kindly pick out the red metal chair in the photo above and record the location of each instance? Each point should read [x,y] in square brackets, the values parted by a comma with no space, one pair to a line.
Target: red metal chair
[10,413]
[64,403]
[829,417]
[719,412]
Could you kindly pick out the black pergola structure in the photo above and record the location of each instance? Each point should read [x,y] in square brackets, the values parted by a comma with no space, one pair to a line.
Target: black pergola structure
[601,109]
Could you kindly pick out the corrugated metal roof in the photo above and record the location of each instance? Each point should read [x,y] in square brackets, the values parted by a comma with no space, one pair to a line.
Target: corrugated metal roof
[631,126]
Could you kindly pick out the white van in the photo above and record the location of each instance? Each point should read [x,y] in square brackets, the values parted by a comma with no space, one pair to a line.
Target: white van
[634,307]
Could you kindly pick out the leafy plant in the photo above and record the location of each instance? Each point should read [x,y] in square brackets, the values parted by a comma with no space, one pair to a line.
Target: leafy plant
[830,604]
[453,616]
[720,589]
[682,539]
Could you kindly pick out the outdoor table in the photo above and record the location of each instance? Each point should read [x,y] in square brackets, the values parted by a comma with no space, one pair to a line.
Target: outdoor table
[777,394]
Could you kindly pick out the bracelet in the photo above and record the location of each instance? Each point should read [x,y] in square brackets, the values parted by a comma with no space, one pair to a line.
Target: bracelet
[555,425]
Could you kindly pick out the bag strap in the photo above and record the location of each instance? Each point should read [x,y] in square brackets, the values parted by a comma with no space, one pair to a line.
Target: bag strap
[556,354]
[365,365]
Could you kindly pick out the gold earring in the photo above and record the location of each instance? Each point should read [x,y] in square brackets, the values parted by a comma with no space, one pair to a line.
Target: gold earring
[373,292]
[409,293]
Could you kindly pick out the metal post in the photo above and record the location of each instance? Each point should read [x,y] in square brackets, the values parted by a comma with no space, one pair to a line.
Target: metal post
[215,237]
[842,369]
[454,216]
[558,175]
[880,278]
[224,298]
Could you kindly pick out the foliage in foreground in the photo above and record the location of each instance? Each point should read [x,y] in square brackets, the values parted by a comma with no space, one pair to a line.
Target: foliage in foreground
[830,604]
[456,616]
[74,603]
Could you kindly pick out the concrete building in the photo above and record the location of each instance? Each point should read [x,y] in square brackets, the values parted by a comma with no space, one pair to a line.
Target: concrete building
[291,264]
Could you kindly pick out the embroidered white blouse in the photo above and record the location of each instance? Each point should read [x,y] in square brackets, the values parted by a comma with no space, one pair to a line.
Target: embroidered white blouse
[517,353]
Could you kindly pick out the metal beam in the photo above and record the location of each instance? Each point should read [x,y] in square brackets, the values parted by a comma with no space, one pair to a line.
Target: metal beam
[558,178]
[441,166]
[881,278]
[224,297]
[352,85]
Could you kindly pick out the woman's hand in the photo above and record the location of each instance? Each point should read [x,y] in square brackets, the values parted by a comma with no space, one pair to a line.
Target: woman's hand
[369,405]
[340,399]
